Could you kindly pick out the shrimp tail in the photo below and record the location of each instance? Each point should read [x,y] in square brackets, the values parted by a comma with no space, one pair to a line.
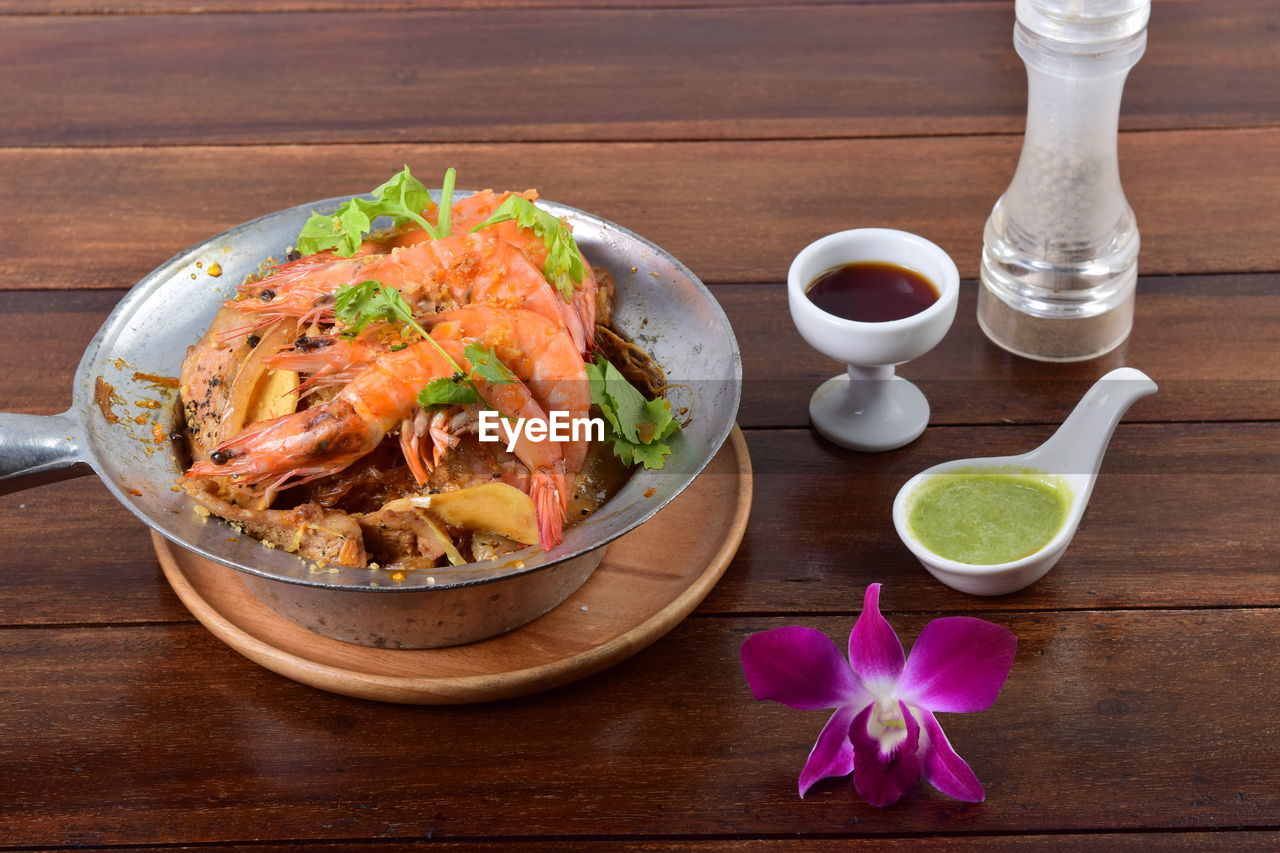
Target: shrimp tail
[548,505]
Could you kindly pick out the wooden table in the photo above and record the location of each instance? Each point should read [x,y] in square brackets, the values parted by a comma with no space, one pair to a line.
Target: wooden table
[1141,710]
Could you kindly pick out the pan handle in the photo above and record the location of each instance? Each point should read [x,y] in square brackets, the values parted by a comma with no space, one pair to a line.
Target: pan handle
[39,449]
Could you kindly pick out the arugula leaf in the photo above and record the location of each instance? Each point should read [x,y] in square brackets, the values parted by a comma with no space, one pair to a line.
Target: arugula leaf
[402,197]
[638,428]
[563,268]
[486,364]
[448,391]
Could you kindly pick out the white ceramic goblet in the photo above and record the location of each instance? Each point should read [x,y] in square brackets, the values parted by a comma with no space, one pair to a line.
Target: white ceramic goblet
[868,408]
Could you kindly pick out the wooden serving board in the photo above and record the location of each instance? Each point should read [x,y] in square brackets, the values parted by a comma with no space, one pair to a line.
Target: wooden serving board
[649,581]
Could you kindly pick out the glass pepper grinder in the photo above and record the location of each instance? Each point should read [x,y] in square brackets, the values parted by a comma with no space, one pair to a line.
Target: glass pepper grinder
[1060,257]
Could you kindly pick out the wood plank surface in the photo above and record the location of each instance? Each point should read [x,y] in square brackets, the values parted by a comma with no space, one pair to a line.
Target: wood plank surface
[790,560]
[1262,841]
[72,554]
[732,132]
[637,73]
[108,216]
[1216,364]
[199,7]
[1183,515]
[1109,721]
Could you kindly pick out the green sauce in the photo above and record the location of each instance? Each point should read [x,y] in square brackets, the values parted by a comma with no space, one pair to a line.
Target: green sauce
[987,518]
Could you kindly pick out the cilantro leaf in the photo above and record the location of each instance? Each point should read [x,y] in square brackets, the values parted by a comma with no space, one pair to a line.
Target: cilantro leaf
[402,197]
[358,305]
[649,455]
[460,388]
[637,428]
[563,268]
[486,364]
[448,391]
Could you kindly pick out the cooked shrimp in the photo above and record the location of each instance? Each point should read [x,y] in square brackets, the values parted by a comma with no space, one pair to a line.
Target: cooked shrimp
[476,208]
[506,278]
[467,214]
[579,313]
[462,269]
[334,361]
[471,211]
[539,353]
[331,360]
[325,439]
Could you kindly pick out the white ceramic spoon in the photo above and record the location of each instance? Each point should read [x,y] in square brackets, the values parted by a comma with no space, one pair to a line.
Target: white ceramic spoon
[1073,454]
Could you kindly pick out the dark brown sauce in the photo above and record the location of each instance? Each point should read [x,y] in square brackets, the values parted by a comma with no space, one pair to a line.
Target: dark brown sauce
[872,292]
[105,396]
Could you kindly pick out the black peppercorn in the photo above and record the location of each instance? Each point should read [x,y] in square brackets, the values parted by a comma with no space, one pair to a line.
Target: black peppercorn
[310,344]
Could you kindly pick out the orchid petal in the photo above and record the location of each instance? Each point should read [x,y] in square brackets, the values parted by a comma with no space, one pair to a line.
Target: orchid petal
[799,667]
[882,775]
[874,650]
[944,769]
[958,664]
[832,754]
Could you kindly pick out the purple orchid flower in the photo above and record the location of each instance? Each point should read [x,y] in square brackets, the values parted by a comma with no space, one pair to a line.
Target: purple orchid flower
[883,730]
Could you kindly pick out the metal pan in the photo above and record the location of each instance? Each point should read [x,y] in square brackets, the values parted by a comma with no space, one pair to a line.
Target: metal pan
[660,303]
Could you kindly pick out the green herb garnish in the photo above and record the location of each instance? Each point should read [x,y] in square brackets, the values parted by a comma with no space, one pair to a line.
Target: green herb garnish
[358,305]
[638,428]
[486,364]
[448,391]
[444,214]
[564,268]
[459,389]
[403,198]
